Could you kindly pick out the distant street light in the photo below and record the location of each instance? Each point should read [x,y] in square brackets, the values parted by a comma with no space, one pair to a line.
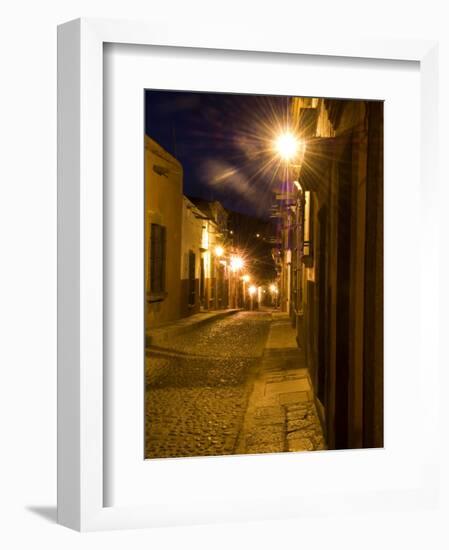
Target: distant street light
[237,263]
[246,278]
[219,251]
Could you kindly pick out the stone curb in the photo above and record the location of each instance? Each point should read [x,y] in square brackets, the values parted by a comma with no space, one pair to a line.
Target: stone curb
[163,334]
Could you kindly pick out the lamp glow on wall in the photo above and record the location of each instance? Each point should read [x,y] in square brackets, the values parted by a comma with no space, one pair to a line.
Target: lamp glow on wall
[297,185]
[205,237]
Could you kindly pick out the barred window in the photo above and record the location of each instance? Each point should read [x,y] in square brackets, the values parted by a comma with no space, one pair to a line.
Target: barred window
[157,258]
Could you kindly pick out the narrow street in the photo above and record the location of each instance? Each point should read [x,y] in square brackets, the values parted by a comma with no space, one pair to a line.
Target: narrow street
[263,274]
[205,391]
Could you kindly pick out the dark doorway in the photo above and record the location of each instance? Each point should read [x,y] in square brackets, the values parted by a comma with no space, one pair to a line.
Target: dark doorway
[202,285]
[323,330]
[343,295]
[192,293]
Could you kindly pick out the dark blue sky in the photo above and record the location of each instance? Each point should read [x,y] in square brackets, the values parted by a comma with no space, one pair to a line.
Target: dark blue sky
[223,142]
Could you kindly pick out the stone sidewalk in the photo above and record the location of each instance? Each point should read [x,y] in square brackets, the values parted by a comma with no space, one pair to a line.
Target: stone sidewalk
[281,414]
[162,334]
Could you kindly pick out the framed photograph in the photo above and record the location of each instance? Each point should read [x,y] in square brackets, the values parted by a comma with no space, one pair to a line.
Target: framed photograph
[235,284]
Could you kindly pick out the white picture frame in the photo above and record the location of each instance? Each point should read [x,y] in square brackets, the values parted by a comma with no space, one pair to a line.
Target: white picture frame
[81,489]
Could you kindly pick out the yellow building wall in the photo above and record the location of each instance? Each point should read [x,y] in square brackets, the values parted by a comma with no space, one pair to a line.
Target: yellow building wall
[163,206]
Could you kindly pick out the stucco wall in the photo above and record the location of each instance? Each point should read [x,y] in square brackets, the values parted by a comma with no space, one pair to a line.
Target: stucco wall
[163,205]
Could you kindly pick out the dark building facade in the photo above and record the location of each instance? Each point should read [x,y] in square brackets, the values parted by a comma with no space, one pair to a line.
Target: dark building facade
[330,260]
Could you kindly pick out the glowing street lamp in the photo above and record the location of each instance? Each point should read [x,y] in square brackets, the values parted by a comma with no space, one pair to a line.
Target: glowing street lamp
[246,278]
[237,263]
[287,145]
[219,251]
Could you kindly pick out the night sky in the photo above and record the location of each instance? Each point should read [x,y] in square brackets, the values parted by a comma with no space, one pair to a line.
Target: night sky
[224,143]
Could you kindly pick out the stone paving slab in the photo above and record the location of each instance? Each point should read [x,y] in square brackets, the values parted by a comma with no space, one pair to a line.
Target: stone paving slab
[281,335]
[293,397]
[281,415]
[301,385]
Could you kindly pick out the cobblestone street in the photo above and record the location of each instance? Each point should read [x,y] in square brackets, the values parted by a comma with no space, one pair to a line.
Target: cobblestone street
[206,392]
[197,389]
